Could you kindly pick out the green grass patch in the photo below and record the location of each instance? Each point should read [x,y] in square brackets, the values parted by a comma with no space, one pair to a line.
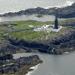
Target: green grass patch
[18,29]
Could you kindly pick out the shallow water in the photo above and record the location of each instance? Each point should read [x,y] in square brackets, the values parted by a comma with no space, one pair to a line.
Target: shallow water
[26,17]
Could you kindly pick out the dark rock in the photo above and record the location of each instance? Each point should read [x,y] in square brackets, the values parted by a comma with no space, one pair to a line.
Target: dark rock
[19,63]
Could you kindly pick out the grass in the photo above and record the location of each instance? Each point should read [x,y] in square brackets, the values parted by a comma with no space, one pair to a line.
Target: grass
[38,36]
[30,34]
[18,29]
[25,24]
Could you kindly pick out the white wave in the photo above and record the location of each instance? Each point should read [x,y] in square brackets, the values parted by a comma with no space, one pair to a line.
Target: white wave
[34,68]
[69,3]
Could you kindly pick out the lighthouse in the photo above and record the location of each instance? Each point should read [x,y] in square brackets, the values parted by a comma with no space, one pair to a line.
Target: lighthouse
[56,20]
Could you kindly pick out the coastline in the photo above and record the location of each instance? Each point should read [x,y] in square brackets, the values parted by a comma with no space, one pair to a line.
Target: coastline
[33,69]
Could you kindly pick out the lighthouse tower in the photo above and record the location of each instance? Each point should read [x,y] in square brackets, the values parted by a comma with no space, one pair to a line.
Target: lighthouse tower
[56,20]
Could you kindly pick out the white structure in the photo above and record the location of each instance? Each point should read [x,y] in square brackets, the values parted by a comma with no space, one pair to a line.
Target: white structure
[56,30]
[48,28]
[42,28]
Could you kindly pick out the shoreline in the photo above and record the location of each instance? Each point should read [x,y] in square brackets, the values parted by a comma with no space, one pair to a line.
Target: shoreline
[33,69]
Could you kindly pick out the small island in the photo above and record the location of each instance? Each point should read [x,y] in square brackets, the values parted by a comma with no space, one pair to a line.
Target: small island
[20,66]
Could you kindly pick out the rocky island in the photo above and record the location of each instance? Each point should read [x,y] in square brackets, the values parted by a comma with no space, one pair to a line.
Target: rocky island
[19,36]
[20,66]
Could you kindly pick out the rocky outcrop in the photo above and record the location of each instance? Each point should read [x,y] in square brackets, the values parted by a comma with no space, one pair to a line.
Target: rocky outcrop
[7,48]
[55,46]
[58,45]
[17,64]
[6,57]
